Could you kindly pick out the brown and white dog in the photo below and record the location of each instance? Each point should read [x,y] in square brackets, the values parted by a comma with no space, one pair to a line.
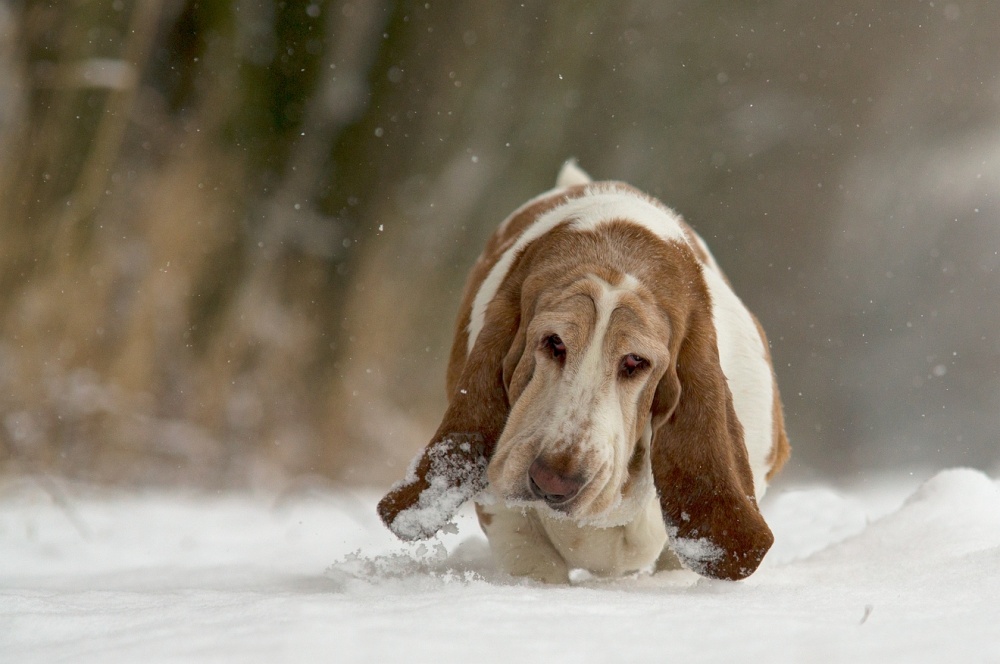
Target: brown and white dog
[612,403]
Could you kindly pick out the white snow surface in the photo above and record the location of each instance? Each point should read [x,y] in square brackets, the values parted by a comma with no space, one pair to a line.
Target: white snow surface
[895,570]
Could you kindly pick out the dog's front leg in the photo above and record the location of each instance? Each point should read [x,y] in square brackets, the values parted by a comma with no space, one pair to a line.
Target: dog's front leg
[520,545]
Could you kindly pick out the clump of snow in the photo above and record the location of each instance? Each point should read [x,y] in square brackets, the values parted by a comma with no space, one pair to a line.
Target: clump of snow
[453,480]
[417,567]
[424,563]
[889,572]
[696,553]
[421,560]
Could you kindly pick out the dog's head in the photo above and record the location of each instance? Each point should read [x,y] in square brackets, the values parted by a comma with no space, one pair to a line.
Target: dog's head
[591,348]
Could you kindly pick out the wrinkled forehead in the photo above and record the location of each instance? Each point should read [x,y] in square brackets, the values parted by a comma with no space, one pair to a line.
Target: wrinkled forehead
[617,308]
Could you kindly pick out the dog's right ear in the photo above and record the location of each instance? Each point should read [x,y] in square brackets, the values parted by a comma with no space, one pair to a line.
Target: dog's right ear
[452,468]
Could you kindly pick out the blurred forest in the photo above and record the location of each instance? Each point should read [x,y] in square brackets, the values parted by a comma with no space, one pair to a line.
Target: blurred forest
[233,235]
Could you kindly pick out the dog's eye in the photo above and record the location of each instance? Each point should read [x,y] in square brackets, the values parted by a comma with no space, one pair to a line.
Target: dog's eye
[632,364]
[555,346]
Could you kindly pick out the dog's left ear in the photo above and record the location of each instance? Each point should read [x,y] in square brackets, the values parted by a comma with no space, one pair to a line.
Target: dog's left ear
[452,468]
[700,464]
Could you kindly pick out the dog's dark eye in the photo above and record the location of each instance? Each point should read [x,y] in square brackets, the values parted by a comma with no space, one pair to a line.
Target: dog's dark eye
[555,346]
[632,364]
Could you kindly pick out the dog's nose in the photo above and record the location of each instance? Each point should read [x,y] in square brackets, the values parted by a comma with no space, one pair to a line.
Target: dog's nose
[550,486]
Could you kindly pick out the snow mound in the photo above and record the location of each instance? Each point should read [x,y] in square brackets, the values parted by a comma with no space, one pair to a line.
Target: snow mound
[805,521]
[953,514]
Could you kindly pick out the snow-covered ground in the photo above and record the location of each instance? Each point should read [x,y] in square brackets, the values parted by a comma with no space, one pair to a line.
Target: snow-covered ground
[898,570]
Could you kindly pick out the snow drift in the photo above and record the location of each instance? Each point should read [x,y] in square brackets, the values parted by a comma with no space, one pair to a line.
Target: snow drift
[889,572]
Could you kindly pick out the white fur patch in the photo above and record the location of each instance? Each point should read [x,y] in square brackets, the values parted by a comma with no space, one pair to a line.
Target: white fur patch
[744,362]
[603,410]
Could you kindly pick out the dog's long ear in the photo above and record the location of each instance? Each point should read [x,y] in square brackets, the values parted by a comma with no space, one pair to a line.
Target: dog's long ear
[452,468]
[700,465]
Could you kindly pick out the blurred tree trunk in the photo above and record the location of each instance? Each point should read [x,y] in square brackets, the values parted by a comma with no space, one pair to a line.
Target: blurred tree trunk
[170,281]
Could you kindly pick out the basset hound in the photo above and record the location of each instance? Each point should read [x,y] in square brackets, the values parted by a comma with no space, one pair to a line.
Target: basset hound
[611,403]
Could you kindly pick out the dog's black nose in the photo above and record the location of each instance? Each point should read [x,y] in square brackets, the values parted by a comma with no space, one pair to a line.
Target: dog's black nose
[550,486]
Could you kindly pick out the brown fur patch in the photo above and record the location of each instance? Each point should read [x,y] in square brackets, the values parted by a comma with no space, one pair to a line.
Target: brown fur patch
[782,450]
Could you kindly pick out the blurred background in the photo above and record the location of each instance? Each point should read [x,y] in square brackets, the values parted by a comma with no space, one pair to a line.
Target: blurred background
[233,235]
